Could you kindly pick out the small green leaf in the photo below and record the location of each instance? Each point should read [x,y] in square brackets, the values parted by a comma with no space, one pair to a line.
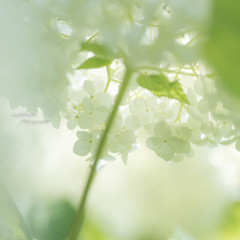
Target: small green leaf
[160,86]
[95,62]
[95,48]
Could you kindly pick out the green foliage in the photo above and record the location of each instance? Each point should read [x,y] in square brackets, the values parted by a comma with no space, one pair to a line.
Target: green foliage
[160,86]
[12,225]
[103,56]
[95,62]
[52,221]
[231,222]
[96,48]
[223,49]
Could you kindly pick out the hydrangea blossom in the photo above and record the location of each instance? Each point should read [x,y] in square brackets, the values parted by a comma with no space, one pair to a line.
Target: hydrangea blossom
[86,142]
[173,126]
[165,144]
[192,113]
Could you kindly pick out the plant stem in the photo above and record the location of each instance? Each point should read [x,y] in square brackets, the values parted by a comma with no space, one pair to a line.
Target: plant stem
[93,36]
[76,227]
[192,68]
[116,81]
[166,70]
[109,78]
[179,113]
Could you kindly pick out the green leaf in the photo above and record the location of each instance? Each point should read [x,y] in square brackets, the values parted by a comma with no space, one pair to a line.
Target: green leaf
[160,86]
[222,49]
[95,62]
[96,48]
[52,221]
[12,225]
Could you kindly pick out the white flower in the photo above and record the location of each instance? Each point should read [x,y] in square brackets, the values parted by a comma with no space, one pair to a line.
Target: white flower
[225,128]
[97,95]
[92,114]
[164,144]
[122,137]
[72,115]
[132,123]
[145,109]
[212,136]
[165,110]
[87,142]
[121,141]
[72,123]
[89,107]
[194,127]
[184,133]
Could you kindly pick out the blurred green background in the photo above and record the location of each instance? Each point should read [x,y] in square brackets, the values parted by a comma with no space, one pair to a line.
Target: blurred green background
[148,198]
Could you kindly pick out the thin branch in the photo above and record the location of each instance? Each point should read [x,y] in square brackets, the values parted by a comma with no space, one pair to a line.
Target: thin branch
[76,227]
[109,78]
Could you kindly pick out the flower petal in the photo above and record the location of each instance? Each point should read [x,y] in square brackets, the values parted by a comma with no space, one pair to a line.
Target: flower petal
[179,145]
[87,105]
[81,148]
[162,129]
[85,120]
[132,123]
[100,115]
[154,143]
[84,136]
[113,144]
[89,87]
[138,105]
[126,139]
[72,123]
[103,99]
[165,151]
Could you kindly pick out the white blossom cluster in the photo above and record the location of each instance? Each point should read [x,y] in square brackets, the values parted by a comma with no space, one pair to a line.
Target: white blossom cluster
[172,127]
[147,33]
[89,109]
[41,39]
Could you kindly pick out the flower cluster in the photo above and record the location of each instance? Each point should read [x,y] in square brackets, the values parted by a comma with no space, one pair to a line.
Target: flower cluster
[177,104]
[172,126]
[89,107]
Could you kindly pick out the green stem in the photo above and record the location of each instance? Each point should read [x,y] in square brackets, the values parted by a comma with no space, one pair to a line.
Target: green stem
[76,227]
[192,40]
[93,36]
[136,93]
[179,113]
[195,73]
[62,35]
[109,78]
[177,73]
[186,109]
[116,81]
[166,70]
